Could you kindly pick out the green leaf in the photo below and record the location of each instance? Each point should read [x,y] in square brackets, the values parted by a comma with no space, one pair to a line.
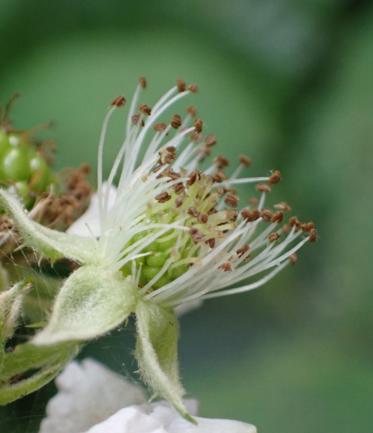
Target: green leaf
[28,368]
[10,308]
[49,243]
[92,301]
[27,357]
[13,392]
[156,353]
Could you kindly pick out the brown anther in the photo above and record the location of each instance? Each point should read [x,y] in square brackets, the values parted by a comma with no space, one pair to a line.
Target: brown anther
[210,140]
[160,127]
[219,177]
[293,259]
[203,218]
[226,267]
[221,162]
[198,125]
[142,82]
[282,206]
[193,177]
[313,235]
[243,250]
[179,188]
[179,201]
[181,86]
[266,214]
[263,187]
[192,111]
[163,197]
[231,200]
[285,228]
[253,201]
[119,101]
[171,149]
[308,227]
[294,222]
[135,119]
[85,168]
[171,173]
[195,137]
[250,216]
[144,108]
[245,160]
[273,237]
[192,211]
[193,88]
[275,177]
[176,121]
[197,236]
[211,242]
[277,217]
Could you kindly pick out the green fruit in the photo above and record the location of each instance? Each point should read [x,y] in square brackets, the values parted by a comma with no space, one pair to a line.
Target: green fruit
[15,139]
[157,259]
[15,164]
[23,192]
[40,173]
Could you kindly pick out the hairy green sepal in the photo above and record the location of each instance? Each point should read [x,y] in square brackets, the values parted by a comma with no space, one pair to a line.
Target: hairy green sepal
[156,353]
[92,301]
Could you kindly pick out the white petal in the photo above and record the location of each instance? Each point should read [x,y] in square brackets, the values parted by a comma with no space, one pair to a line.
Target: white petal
[89,223]
[159,418]
[88,394]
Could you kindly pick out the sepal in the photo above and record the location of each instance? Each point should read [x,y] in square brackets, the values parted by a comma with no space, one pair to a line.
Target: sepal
[156,353]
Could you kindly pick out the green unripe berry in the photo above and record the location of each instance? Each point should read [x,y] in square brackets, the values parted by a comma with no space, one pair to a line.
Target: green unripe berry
[23,192]
[149,272]
[15,164]
[40,173]
[157,259]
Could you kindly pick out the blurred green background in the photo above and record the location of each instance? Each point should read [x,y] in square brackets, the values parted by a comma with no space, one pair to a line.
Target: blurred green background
[288,82]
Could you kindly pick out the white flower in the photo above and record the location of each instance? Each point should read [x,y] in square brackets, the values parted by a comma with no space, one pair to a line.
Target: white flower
[92,399]
[171,235]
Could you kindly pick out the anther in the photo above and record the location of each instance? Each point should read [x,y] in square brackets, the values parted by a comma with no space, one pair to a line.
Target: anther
[245,160]
[119,101]
[210,140]
[293,259]
[198,125]
[277,217]
[211,242]
[219,177]
[142,82]
[282,206]
[181,86]
[196,235]
[192,211]
[250,216]
[231,200]
[160,127]
[275,177]
[193,88]
[176,121]
[273,237]
[266,214]
[193,177]
[243,250]
[221,162]
[192,111]
[135,119]
[263,187]
[179,188]
[313,235]
[203,218]
[163,197]
[144,108]
[226,267]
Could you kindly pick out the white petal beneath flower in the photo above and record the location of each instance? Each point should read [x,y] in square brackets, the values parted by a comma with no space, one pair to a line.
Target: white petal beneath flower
[159,418]
[93,399]
[88,394]
[89,223]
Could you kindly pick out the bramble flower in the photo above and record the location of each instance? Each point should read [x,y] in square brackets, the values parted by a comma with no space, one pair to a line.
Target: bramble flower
[173,234]
[93,399]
